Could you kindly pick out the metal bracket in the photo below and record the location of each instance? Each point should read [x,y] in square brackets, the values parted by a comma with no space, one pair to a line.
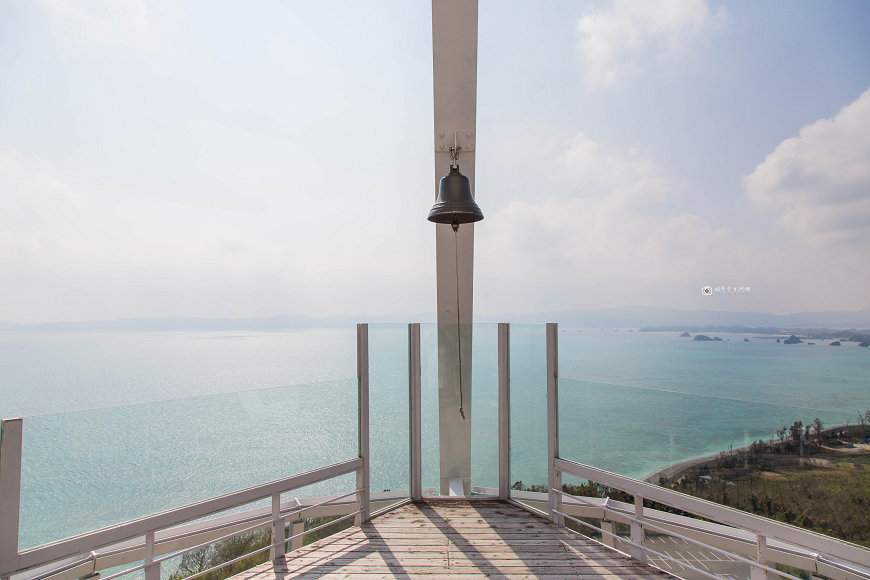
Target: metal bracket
[444,141]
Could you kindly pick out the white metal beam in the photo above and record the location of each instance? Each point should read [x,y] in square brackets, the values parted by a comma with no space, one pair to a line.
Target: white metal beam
[362,370]
[554,475]
[415,438]
[504,411]
[454,56]
[10,492]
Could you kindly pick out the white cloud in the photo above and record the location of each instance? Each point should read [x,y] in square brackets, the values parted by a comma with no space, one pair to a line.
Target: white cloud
[601,235]
[819,181]
[608,172]
[109,21]
[74,248]
[613,43]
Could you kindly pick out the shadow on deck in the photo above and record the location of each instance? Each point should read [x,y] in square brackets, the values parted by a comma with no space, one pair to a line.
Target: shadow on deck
[455,539]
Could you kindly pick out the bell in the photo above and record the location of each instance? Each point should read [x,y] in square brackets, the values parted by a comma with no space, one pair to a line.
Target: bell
[455,204]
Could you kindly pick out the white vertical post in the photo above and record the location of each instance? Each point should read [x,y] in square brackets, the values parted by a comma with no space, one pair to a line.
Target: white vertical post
[10,493]
[298,528]
[277,551]
[504,411]
[454,71]
[608,526]
[760,557]
[362,373]
[637,530]
[415,414]
[554,477]
[152,570]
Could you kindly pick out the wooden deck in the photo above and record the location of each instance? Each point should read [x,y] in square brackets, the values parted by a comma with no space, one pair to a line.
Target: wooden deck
[456,539]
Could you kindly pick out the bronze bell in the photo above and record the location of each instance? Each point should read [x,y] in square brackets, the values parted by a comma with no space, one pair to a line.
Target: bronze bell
[455,205]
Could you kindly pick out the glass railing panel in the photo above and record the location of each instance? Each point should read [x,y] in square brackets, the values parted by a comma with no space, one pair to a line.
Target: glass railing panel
[388,407]
[55,372]
[636,431]
[528,404]
[429,405]
[740,366]
[669,548]
[793,464]
[484,416]
[84,470]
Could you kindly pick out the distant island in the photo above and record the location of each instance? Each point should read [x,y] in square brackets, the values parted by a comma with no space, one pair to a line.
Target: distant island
[854,335]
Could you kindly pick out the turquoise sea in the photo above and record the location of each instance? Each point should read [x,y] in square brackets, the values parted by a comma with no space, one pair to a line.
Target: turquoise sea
[121,425]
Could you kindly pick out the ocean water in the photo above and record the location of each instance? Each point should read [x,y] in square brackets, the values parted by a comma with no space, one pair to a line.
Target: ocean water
[121,425]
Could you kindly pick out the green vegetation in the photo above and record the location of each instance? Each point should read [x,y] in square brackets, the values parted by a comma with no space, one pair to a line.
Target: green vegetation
[806,476]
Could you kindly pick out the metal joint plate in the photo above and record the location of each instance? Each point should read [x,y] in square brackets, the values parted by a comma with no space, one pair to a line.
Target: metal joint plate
[444,141]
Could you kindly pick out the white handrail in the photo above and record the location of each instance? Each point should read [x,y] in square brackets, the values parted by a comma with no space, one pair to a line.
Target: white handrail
[14,562]
[725,515]
[648,525]
[94,540]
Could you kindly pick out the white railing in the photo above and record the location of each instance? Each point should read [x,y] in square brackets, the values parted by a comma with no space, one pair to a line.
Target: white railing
[757,542]
[734,529]
[147,538]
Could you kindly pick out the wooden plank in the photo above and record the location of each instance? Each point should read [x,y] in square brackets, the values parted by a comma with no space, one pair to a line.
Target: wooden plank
[448,576]
[457,540]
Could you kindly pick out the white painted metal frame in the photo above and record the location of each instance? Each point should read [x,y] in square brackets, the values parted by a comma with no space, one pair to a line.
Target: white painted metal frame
[415,438]
[856,560]
[83,547]
[504,411]
[454,75]
[769,528]
[10,491]
[733,540]
[362,371]
[554,475]
[87,543]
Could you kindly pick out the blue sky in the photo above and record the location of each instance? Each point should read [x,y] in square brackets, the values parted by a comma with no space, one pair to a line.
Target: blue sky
[211,159]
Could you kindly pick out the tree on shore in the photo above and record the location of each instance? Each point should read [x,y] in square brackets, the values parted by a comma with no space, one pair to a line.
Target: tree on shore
[817,427]
[795,431]
[781,433]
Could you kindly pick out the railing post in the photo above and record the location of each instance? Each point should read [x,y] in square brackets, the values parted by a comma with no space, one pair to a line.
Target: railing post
[760,557]
[608,526]
[152,570]
[554,477]
[298,528]
[637,531]
[277,551]
[504,411]
[362,372]
[415,414]
[10,493]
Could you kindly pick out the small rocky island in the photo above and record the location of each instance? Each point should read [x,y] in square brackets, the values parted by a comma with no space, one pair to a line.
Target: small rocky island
[685,335]
[745,340]
[835,343]
[704,337]
[792,340]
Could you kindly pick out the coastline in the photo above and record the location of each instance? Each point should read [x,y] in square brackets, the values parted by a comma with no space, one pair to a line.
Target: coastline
[677,470]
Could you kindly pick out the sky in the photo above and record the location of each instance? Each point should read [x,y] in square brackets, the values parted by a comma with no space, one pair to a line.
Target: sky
[215,159]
